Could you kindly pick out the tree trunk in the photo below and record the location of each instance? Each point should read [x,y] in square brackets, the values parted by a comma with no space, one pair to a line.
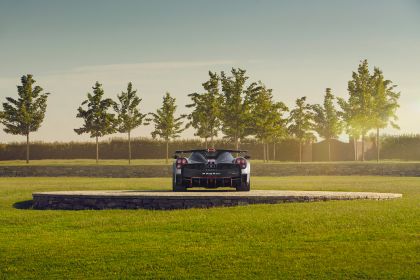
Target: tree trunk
[274,151]
[27,148]
[300,151]
[356,151]
[167,151]
[212,141]
[329,149]
[268,152]
[97,150]
[129,148]
[263,151]
[377,145]
[363,147]
[205,141]
[237,143]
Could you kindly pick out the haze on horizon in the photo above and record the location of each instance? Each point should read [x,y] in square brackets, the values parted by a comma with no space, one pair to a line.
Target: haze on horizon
[297,48]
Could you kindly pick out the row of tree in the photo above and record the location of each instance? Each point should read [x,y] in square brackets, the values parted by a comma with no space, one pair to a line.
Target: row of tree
[229,104]
[239,110]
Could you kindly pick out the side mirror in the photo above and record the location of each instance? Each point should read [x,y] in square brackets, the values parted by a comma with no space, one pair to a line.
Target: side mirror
[175,156]
[247,157]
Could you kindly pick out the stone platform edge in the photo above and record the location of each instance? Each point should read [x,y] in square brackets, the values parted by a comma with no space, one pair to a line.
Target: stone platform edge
[169,200]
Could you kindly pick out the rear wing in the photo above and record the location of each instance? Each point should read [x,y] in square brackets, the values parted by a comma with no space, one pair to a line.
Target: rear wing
[210,151]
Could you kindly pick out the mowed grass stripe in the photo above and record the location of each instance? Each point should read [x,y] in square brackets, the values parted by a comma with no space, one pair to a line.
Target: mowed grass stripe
[336,239]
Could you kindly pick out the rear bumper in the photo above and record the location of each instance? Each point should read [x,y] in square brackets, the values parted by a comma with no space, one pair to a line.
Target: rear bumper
[211,181]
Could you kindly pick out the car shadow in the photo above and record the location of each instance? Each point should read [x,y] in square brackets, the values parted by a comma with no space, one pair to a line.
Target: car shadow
[26,204]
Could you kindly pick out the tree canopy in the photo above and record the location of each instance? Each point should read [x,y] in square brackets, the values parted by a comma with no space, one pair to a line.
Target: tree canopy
[301,123]
[128,113]
[167,126]
[235,105]
[372,103]
[327,122]
[268,116]
[98,121]
[269,123]
[129,116]
[385,101]
[205,117]
[25,114]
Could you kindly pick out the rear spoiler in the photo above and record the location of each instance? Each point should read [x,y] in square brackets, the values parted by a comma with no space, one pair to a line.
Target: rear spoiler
[210,150]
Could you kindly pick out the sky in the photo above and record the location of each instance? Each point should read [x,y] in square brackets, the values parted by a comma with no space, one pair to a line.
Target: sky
[297,48]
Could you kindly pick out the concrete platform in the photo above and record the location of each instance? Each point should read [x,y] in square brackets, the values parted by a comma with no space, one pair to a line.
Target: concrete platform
[129,199]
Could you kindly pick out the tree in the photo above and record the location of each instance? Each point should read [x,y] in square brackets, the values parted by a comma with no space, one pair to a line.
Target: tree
[129,116]
[326,120]
[235,105]
[167,126]
[372,103]
[385,104]
[360,101]
[301,123]
[25,114]
[98,121]
[205,117]
[267,116]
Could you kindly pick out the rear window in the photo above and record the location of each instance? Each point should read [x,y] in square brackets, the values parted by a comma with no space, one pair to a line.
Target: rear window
[203,156]
[198,156]
[225,157]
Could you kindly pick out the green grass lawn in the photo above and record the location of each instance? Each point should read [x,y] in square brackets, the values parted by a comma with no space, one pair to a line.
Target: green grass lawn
[84,162]
[58,162]
[330,240]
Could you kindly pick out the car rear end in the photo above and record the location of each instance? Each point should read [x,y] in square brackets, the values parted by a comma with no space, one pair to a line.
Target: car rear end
[211,169]
[211,175]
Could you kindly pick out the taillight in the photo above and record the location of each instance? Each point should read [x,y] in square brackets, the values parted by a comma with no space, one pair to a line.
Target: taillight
[241,162]
[180,162]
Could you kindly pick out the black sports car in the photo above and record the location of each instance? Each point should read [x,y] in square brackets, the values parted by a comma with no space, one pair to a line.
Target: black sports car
[211,168]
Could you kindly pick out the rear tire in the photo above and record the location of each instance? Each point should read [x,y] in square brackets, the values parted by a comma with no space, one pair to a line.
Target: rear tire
[244,187]
[177,188]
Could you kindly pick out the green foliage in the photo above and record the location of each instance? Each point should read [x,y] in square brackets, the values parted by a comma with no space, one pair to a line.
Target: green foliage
[360,94]
[26,113]
[269,123]
[372,103]
[205,117]
[385,101]
[326,120]
[167,126]
[98,121]
[301,121]
[236,101]
[357,110]
[129,116]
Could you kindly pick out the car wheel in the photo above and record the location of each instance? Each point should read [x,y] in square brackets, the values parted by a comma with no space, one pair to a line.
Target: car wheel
[243,187]
[177,188]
